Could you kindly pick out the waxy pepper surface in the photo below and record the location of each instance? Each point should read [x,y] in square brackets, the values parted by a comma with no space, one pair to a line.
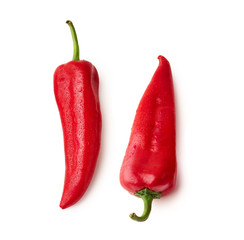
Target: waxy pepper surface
[149,166]
[76,86]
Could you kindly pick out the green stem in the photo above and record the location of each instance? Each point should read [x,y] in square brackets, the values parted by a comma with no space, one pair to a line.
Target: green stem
[147,197]
[76,52]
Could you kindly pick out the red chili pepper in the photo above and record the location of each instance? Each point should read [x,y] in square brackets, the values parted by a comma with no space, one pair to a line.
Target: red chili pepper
[149,166]
[76,86]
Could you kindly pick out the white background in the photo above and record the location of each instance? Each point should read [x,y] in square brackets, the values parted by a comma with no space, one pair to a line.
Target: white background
[204,42]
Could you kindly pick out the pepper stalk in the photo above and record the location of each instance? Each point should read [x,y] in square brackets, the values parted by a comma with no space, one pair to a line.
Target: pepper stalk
[147,197]
[76,52]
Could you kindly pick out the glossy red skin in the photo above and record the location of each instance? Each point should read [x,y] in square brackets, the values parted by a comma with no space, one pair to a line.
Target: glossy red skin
[150,159]
[76,91]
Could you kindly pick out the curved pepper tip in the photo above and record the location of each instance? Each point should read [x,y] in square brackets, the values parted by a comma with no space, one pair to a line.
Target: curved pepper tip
[63,205]
[162,58]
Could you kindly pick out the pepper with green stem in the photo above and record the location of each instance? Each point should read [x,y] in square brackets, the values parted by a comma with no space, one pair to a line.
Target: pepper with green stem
[149,166]
[76,86]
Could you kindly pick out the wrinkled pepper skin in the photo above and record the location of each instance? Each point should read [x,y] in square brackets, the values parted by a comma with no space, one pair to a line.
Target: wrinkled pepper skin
[76,89]
[150,158]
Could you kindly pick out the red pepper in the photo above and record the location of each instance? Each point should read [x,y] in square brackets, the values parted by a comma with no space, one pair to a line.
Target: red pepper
[149,166]
[76,91]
